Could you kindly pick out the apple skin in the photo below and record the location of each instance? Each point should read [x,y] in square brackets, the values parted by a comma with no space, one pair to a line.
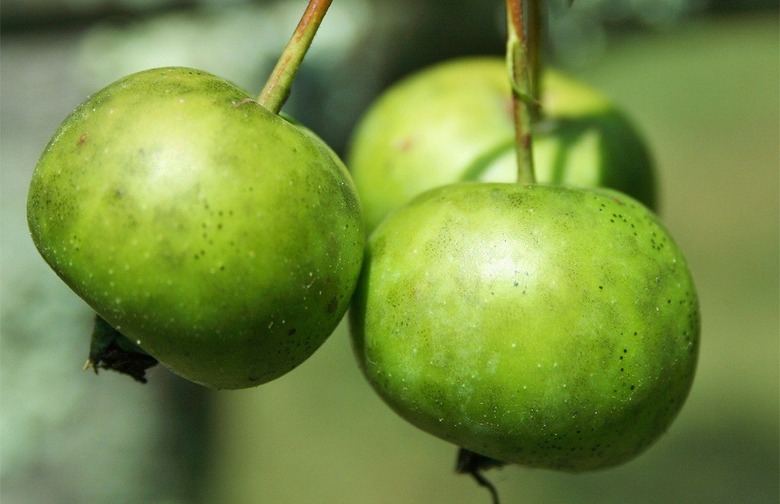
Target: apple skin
[454,122]
[221,238]
[539,325]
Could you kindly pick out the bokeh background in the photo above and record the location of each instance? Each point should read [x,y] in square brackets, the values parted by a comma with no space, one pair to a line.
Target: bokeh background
[699,77]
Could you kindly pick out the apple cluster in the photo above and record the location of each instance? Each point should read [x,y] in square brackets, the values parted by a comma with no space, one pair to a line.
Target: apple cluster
[552,324]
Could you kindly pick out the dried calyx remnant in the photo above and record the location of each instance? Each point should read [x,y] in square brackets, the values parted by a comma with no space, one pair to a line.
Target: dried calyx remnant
[473,464]
[110,349]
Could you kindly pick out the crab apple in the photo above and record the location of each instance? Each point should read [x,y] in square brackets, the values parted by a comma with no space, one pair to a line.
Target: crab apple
[454,122]
[546,326]
[221,238]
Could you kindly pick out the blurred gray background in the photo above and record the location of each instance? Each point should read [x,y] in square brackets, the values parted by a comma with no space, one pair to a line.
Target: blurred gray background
[699,77]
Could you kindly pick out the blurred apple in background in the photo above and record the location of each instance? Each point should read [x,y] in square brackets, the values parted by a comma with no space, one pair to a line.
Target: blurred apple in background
[454,122]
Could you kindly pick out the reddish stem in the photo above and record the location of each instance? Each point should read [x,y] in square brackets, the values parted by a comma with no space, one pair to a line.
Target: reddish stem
[522,92]
[534,40]
[277,88]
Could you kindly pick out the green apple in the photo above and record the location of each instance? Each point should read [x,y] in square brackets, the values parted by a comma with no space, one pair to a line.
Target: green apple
[454,122]
[540,325]
[222,239]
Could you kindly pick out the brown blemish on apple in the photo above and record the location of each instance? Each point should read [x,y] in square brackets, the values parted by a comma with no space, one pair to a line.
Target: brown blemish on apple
[404,144]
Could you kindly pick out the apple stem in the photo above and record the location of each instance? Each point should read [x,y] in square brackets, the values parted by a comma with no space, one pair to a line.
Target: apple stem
[277,88]
[522,65]
[535,38]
